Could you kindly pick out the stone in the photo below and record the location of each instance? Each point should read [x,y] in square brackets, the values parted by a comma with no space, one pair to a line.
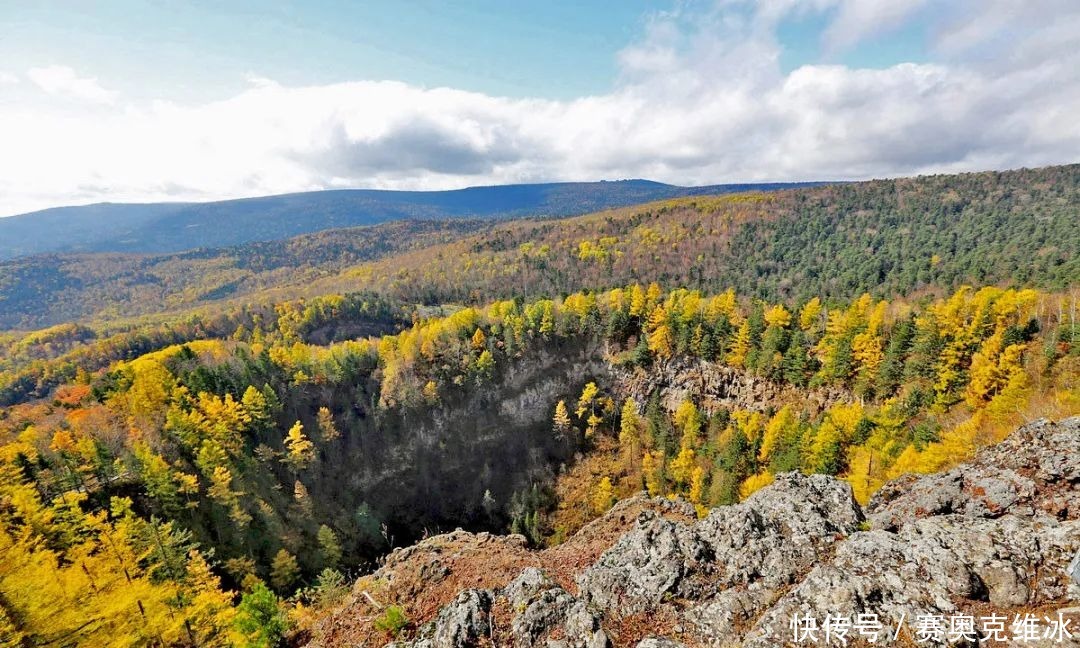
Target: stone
[653,642]
[464,623]
[998,533]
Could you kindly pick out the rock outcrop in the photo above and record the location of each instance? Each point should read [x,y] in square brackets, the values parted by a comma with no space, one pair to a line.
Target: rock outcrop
[718,385]
[997,535]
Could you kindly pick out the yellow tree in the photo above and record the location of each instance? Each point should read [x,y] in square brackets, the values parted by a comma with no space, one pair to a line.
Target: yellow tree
[652,295]
[629,432]
[661,340]
[810,314]
[479,340]
[652,466]
[637,300]
[754,483]
[208,610]
[740,347]
[682,467]
[604,496]
[299,450]
[587,405]
[431,392]
[697,490]
[327,429]
[561,420]
[778,316]
[688,421]
[722,305]
[867,349]
[832,437]
[864,472]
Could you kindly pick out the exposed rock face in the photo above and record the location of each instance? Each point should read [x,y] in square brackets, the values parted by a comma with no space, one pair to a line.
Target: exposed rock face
[1034,471]
[717,385]
[730,564]
[542,608]
[464,623]
[998,535]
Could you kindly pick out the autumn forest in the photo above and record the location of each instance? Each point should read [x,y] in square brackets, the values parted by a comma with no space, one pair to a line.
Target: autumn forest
[207,448]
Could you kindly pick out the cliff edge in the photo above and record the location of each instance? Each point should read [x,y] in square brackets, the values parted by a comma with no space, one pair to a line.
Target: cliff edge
[998,536]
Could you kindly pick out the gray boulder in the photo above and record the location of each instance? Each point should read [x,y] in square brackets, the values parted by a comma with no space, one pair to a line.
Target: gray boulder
[464,623]
[540,607]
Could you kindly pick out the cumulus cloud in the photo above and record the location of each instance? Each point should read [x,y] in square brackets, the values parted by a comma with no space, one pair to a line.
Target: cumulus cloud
[63,81]
[701,99]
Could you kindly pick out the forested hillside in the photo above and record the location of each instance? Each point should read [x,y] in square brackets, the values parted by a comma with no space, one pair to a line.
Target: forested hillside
[217,474]
[43,290]
[175,227]
[887,237]
[892,237]
[291,460]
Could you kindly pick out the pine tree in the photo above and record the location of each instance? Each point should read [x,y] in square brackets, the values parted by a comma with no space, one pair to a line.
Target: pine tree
[329,547]
[261,619]
[485,366]
[797,365]
[284,570]
[891,372]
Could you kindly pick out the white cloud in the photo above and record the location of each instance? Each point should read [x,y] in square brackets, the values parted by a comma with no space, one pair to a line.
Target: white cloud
[7,78]
[63,81]
[858,20]
[701,100]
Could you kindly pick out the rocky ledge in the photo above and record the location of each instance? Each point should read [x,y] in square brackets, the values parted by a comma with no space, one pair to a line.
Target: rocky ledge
[999,535]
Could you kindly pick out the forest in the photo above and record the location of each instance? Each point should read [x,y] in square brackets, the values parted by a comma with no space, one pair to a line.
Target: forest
[219,473]
[888,238]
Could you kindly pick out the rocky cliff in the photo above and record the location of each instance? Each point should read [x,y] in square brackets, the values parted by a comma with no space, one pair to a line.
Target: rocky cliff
[999,535]
[718,385]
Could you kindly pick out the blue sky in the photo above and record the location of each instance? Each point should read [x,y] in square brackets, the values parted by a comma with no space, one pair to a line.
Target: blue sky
[200,50]
[139,100]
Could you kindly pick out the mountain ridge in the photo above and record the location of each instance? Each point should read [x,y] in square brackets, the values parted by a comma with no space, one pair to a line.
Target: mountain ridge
[175,227]
[837,241]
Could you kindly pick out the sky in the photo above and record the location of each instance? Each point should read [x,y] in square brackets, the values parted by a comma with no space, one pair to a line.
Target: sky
[138,101]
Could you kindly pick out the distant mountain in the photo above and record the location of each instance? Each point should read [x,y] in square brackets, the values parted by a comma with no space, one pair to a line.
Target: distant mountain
[174,227]
[884,237]
[46,289]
